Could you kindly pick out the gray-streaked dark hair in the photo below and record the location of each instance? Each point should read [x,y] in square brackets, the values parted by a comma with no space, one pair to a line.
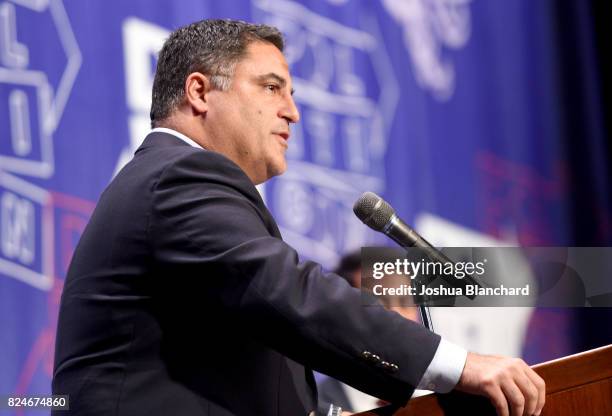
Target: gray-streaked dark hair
[212,47]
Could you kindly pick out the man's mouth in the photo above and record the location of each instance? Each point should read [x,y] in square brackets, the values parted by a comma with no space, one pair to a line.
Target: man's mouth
[284,135]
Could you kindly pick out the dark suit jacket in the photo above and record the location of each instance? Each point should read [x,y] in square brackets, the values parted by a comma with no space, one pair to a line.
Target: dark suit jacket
[183,299]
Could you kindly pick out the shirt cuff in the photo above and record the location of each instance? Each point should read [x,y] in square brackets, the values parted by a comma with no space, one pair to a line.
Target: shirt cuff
[445,369]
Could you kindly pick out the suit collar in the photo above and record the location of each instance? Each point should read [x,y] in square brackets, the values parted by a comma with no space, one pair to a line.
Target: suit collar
[162,139]
[178,134]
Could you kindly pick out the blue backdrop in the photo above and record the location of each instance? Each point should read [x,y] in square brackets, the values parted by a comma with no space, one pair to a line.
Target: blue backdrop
[479,118]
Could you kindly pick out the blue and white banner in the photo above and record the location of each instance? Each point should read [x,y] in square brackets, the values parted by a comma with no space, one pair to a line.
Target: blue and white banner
[455,111]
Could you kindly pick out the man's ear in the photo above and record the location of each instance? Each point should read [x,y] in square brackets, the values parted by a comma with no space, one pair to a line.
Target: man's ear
[197,86]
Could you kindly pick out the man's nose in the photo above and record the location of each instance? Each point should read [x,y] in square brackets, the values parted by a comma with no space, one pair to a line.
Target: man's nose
[290,111]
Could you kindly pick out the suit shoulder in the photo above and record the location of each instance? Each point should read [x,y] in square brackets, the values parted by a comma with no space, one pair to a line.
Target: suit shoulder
[211,168]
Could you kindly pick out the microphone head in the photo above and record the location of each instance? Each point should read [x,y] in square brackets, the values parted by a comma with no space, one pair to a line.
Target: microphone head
[373,211]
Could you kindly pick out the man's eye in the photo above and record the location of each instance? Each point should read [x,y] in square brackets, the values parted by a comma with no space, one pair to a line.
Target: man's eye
[272,87]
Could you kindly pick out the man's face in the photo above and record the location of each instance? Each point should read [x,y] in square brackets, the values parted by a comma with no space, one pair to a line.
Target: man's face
[252,117]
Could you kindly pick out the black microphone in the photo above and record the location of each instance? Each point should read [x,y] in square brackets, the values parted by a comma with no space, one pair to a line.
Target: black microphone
[377,214]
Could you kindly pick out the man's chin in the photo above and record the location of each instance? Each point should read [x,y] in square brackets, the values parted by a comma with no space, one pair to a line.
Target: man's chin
[271,172]
[277,169]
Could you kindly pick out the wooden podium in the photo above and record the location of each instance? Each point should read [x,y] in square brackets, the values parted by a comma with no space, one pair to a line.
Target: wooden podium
[579,384]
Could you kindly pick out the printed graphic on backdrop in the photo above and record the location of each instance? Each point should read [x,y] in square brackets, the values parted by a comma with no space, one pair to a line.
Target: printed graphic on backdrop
[31,107]
[422,101]
[429,27]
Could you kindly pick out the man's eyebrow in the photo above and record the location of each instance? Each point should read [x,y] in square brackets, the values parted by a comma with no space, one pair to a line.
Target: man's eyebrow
[266,77]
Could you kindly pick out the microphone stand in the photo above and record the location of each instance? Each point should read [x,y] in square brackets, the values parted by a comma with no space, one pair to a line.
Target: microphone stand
[423,308]
[426,317]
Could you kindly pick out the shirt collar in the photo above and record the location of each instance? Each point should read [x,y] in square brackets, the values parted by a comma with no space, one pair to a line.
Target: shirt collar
[177,135]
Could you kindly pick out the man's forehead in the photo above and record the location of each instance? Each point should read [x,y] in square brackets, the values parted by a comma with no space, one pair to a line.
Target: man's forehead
[264,54]
[264,62]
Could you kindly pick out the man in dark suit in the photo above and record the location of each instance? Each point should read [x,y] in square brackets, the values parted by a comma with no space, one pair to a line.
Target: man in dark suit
[182,298]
